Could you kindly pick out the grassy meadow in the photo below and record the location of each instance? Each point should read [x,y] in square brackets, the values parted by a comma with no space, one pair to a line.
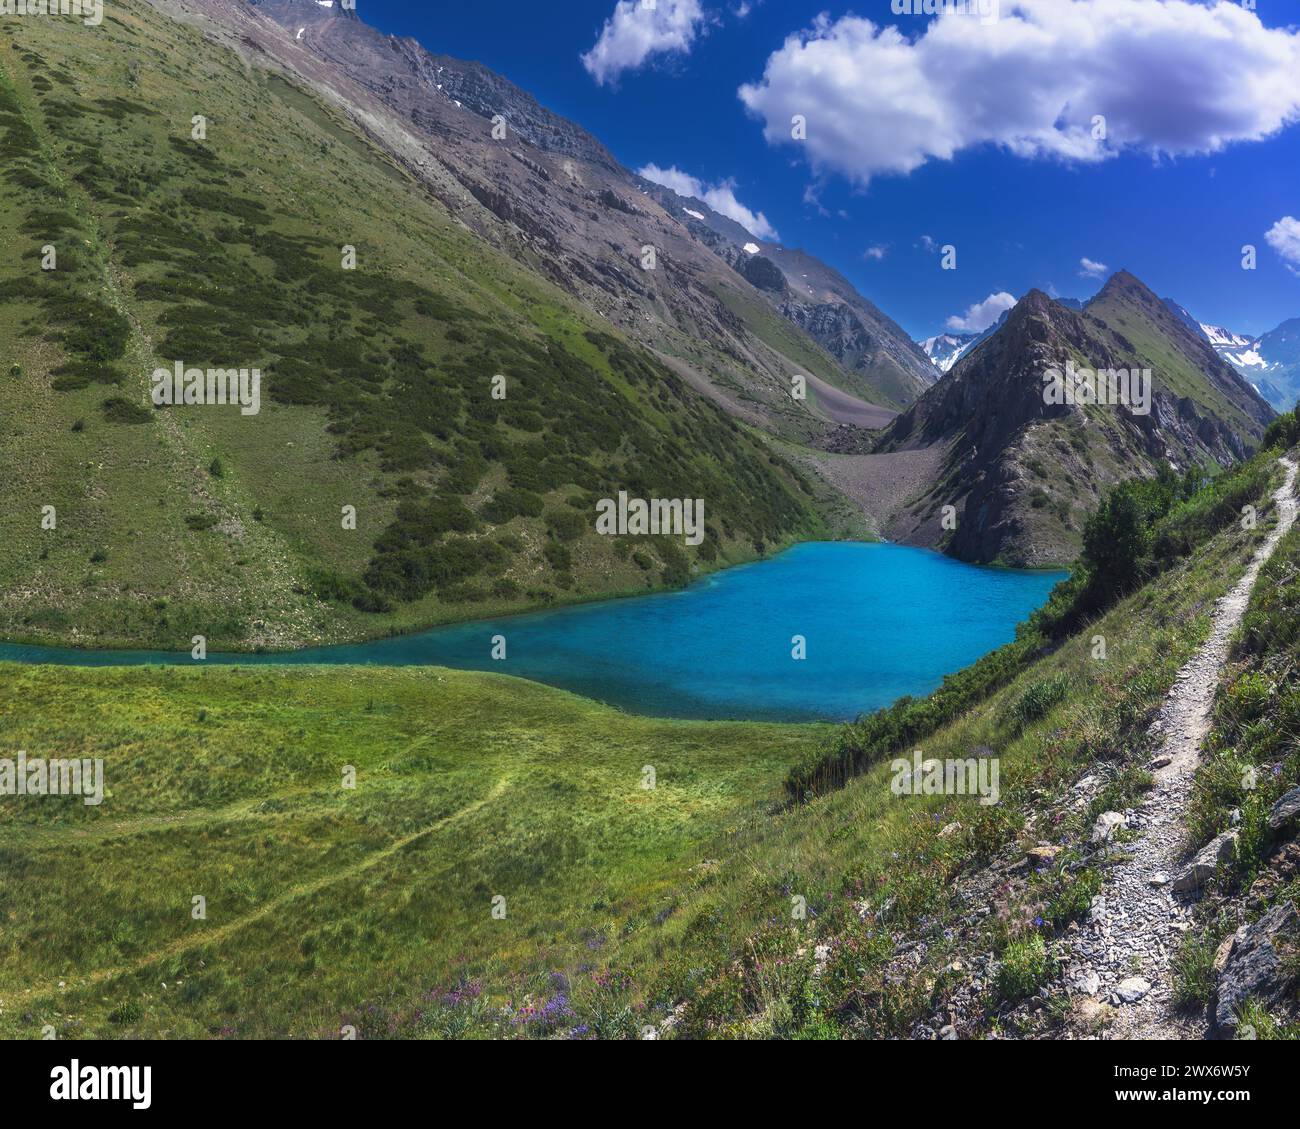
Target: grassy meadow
[328,905]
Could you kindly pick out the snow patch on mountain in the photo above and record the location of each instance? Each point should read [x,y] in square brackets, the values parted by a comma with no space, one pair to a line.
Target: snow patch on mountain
[1217,336]
[946,349]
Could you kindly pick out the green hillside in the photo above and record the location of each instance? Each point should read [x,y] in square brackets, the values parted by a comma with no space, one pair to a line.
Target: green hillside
[377,393]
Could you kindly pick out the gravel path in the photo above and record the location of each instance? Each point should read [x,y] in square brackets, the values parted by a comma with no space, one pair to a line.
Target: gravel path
[1122,954]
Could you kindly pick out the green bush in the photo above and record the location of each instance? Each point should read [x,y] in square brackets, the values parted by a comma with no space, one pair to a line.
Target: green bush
[1039,700]
[118,409]
[1026,967]
[566,524]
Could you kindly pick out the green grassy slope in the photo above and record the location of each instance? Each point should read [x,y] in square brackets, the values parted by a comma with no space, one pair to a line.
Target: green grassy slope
[227,252]
[325,905]
[1149,336]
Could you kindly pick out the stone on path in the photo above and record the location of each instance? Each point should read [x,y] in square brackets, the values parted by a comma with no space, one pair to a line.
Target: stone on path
[1131,990]
[1218,852]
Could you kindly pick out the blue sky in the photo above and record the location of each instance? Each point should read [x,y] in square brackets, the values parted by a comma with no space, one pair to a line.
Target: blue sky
[929,136]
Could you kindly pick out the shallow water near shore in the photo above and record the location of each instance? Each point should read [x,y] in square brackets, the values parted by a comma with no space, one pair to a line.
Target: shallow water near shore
[879,621]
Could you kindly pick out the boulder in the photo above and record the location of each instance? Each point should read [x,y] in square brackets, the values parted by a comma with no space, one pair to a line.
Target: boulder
[1107,824]
[1285,812]
[1219,851]
[1256,966]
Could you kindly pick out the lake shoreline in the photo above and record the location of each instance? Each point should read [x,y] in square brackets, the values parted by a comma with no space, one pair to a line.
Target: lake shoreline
[823,631]
[471,614]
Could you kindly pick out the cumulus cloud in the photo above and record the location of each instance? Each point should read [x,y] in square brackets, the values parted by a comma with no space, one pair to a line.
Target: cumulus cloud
[1088,268]
[1075,80]
[636,32]
[877,252]
[720,197]
[983,314]
[1284,238]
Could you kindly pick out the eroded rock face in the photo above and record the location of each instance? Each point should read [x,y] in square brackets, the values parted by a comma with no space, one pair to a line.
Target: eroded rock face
[1260,966]
[761,272]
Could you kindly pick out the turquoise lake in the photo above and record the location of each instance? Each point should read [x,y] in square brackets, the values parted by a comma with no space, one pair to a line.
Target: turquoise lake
[879,621]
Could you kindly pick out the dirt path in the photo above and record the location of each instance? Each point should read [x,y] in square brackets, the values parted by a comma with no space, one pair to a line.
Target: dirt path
[202,936]
[1122,954]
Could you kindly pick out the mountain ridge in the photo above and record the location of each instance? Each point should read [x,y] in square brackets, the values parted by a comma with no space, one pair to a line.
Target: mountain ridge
[996,500]
[575,204]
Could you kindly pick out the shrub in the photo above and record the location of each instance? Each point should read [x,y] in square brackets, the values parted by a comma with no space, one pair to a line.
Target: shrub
[118,409]
[566,524]
[1039,700]
[558,556]
[1283,431]
[1026,967]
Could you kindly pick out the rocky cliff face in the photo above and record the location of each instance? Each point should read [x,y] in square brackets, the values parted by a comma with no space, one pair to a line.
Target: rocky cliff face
[816,298]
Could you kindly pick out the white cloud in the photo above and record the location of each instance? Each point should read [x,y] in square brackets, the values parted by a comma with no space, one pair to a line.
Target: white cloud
[680,182]
[720,197]
[1090,269]
[1284,238]
[877,252]
[634,32]
[983,314]
[1169,77]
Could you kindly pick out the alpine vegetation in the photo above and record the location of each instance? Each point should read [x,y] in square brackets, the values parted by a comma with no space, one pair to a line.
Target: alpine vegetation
[90,11]
[969,776]
[62,776]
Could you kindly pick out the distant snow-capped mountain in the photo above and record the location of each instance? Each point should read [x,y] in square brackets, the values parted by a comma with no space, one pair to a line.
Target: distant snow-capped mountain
[1217,335]
[1270,362]
[946,349]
